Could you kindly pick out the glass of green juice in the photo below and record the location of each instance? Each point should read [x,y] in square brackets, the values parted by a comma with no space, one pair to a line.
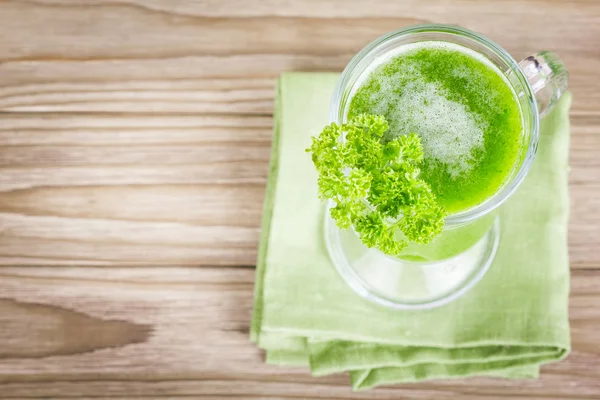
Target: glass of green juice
[477,111]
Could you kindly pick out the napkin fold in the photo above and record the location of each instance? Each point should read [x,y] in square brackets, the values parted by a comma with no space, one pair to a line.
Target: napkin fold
[513,321]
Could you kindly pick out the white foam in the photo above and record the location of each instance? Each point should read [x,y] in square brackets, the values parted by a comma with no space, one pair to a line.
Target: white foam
[449,132]
[410,47]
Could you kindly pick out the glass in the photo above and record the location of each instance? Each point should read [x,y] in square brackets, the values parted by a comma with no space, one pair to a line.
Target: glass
[435,274]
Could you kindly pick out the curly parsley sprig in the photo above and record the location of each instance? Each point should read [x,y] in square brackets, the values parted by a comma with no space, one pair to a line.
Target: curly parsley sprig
[355,163]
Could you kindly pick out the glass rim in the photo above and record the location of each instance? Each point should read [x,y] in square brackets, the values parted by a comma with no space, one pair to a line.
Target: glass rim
[508,187]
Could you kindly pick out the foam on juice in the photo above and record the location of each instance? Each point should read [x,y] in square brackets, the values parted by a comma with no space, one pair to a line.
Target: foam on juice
[461,105]
[450,133]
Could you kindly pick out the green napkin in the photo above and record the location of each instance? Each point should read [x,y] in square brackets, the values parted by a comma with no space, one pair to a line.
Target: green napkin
[513,321]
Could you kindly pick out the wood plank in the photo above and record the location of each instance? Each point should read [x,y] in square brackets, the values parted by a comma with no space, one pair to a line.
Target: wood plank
[136,132]
[130,190]
[234,96]
[161,56]
[176,189]
[463,9]
[84,331]
[204,84]
[140,28]
[92,129]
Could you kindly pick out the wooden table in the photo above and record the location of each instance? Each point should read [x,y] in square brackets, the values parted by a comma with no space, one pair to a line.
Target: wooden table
[134,142]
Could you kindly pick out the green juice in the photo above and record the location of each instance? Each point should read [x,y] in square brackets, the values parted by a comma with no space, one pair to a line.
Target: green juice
[461,106]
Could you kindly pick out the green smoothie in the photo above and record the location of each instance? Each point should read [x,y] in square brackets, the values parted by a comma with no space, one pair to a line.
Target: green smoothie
[461,106]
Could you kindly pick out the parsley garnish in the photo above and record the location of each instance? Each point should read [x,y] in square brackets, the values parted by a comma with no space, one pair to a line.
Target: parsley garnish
[375,184]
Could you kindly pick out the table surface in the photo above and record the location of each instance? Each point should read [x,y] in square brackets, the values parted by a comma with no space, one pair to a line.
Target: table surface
[134,147]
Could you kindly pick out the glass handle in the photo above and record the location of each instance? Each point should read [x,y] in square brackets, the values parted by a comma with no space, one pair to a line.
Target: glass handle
[548,78]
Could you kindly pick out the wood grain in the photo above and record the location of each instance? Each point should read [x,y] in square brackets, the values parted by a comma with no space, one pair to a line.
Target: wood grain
[125,189]
[137,132]
[185,189]
[163,56]
[146,140]
[113,332]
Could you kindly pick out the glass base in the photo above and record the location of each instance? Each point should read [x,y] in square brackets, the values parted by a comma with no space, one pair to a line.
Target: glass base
[404,284]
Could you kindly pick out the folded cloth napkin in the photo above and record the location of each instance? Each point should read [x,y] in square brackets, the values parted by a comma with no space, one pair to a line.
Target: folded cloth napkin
[513,321]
